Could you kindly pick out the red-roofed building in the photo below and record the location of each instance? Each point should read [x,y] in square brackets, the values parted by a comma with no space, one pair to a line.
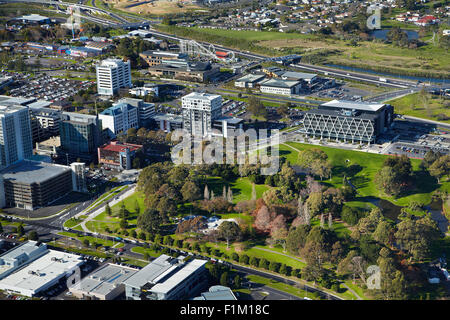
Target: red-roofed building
[426,21]
[117,155]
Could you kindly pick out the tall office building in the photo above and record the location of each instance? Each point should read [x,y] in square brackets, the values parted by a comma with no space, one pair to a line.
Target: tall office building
[113,74]
[199,111]
[146,110]
[16,142]
[81,135]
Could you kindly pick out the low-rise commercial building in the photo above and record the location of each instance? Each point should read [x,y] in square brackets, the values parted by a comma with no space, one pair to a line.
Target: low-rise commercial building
[185,70]
[249,80]
[41,274]
[282,87]
[168,122]
[105,283]
[154,58]
[117,155]
[21,255]
[309,78]
[167,278]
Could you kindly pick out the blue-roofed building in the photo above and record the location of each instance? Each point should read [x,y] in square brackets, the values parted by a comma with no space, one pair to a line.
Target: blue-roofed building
[119,118]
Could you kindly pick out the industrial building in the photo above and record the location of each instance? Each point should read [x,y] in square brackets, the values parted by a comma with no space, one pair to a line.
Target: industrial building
[348,120]
[41,273]
[32,184]
[113,74]
[117,155]
[199,110]
[167,278]
[105,283]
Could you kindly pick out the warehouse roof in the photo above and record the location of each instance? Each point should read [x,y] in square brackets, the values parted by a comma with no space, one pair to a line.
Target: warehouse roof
[28,172]
[279,83]
[251,78]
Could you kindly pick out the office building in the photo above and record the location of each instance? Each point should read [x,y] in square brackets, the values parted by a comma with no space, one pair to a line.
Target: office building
[118,156]
[32,184]
[80,136]
[348,120]
[228,125]
[281,87]
[309,78]
[113,74]
[41,274]
[185,70]
[168,122]
[15,135]
[20,255]
[199,110]
[119,118]
[105,283]
[44,122]
[154,58]
[146,110]
[148,88]
[167,278]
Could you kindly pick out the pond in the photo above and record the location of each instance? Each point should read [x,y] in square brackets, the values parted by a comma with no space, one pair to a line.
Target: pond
[382,34]
[389,210]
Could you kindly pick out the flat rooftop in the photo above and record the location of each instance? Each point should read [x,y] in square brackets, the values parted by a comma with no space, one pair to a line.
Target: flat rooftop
[230,120]
[41,272]
[27,249]
[28,172]
[104,280]
[168,117]
[299,75]
[184,272]
[152,271]
[251,77]
[202,96]
[362,106]
[279,83]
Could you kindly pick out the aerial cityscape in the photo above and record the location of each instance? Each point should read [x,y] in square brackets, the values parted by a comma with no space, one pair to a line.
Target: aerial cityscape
[237,150]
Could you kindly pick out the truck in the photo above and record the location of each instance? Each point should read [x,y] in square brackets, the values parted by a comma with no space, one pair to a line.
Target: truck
[382,79]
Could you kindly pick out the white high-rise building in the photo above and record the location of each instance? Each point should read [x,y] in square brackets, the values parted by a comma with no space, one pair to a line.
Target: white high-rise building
[199,111]
[113,74]
[16,139]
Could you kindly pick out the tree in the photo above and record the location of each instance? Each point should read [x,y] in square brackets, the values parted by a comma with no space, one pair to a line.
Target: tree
[237,282]
[86,242]
[224,279]
[244,259]
[149,221]
[253,192]
[108,209]
[296,238]
[416,236]
[263,219]
[33,235]
[123,224]
[20,231]
[315,203]
[230,195]
[229,230]
[206,193]
[190,191]
[137,207]
[264,263]
[384,233]
[440,167]
[254,261]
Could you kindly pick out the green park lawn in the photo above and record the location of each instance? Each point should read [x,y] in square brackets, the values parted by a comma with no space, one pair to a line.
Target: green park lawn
[426,106]
[361,170]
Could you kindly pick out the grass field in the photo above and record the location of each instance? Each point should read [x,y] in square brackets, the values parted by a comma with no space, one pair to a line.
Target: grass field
[157,8]
[426,106]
